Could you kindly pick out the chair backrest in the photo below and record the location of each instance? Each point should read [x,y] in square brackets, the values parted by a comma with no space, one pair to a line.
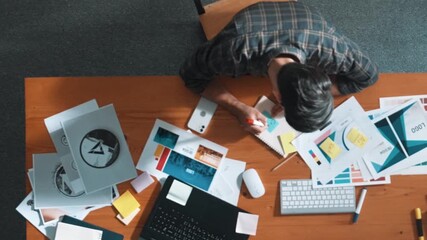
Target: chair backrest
[215,16]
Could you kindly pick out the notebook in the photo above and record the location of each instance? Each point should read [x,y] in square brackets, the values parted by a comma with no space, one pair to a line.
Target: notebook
[277,126]
[184,212]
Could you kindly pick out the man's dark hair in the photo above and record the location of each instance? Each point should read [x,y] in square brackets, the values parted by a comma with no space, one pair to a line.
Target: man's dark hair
[306,96]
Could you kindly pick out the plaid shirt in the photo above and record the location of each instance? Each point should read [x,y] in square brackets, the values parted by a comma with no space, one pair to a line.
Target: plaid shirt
[265,30]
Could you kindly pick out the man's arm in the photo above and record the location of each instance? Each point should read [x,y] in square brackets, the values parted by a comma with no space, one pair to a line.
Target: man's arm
[210,59]
[217,93]
[359,74]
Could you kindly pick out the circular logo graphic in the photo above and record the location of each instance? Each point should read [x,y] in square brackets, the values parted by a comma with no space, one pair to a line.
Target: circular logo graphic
[99,148]
[64,140]
[62,185]
[73,165]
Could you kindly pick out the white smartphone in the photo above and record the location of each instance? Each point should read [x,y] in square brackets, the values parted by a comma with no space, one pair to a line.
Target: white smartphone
[202,115]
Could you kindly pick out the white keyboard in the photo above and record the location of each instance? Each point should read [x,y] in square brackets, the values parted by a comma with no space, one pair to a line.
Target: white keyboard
[297,196]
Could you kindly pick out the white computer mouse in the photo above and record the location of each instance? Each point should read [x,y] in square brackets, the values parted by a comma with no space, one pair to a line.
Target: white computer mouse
[253,183]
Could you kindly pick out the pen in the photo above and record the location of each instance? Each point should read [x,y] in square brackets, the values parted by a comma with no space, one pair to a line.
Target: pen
[255,122]
[419,222]
[359,205]
[285,160]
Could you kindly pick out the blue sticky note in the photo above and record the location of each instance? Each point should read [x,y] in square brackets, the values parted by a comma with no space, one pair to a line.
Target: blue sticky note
[271,123]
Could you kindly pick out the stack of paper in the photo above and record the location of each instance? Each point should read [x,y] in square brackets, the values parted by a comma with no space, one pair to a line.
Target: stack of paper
[127,206]
[92,157]
[365,148]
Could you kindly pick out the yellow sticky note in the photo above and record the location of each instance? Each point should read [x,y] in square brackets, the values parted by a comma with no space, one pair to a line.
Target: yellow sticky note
[126,204]
[357,137]
[286,140]
[330,148]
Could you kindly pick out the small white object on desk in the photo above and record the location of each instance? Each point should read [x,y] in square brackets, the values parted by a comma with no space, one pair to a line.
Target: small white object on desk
[179,192]
[253,183]
[142,182]
[65,231]
[247,223]
[129,218]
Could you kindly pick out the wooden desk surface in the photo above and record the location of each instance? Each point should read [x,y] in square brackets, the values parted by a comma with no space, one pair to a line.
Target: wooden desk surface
[388,209]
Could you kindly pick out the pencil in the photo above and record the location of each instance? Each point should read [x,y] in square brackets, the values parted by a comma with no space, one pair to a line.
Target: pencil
[284,161]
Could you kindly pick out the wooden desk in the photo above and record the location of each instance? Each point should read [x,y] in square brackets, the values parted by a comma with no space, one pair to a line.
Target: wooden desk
[387,212]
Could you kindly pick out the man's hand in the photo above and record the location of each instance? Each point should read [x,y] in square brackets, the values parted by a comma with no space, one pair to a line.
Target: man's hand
[217,93]
[246,112]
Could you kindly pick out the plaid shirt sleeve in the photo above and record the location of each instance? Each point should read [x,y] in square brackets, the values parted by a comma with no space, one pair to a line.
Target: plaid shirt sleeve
[195,73]
[210,59]
[359,73]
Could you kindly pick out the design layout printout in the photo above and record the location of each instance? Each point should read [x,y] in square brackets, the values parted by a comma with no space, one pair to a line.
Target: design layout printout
[172,151]
[99,149]
[389,102]
[331,150]
[405,140]
[351,176]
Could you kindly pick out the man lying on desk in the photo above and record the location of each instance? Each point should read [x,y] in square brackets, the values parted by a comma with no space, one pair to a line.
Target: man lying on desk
[306,60]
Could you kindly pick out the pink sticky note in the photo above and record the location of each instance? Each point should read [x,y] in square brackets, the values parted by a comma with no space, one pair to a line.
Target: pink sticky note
[142,182]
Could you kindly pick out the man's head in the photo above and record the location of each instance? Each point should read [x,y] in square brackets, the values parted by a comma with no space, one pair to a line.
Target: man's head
[306,96]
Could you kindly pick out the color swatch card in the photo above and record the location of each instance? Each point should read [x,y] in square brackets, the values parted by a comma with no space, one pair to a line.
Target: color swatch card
[99,149]
[170,150]
[331,150]
[277,126]
[405,140]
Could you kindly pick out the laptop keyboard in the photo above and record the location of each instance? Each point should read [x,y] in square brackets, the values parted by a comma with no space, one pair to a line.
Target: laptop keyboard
[175,225]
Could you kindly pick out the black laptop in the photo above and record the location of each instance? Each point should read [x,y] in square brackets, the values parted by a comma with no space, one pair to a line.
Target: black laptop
[203,217]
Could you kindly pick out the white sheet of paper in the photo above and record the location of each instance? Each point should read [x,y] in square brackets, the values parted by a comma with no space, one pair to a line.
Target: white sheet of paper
[405,134]
[229,171]
[92,162]
[49,189]
[247,223]
[181,143]
[51,215]
[65,231]
[390,102]
[179,192]
[347,116]
[129,218]
[53,124]
[142,182]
